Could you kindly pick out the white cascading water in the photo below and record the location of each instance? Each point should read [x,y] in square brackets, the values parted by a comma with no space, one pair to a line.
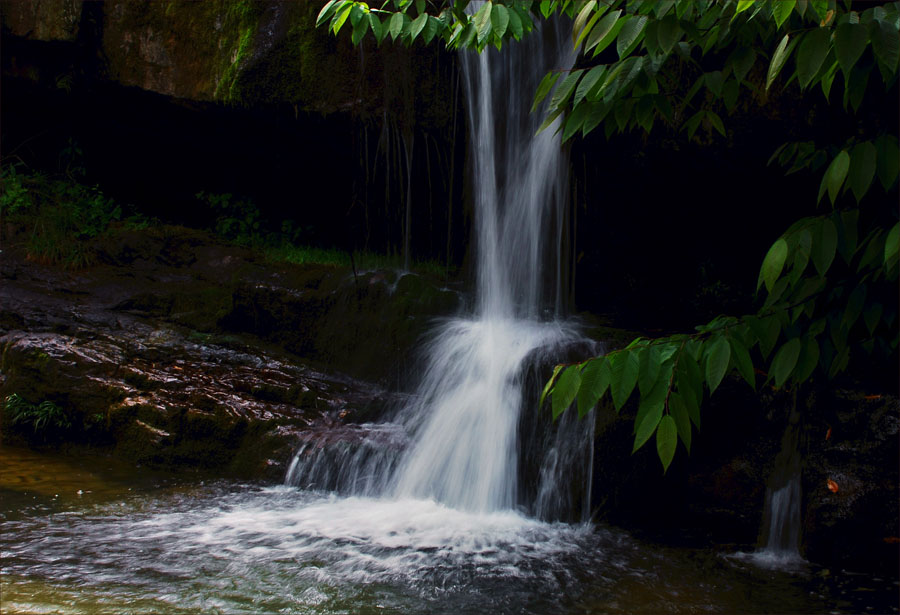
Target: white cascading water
[471,396]
[456,442]
[779,544]
[781,521]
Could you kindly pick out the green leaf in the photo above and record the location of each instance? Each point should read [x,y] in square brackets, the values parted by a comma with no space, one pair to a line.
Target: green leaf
[782,10]
[649,362]
[742,60]
[679,413]
[565,390]
[418,25]
[742,6]
[827,81]
[646,427]
[581,21]
[630,35]
[717,358]
[741,359]
[599,111]
[849,42]
[824,246]
[693,123]
[653,400]
[549,385]
[588,82]
[668,33]
[546,8]
[778,59]
[565,89]
[500,19]
[766,331]
[431,28]
[773,264]
[340,16]
[515,24]
[604,32]
[356,15]
[811,54]
[807,361]
[326,12]
[855,304]
[482,21]
[820,7]
[594,382]
[785,360]
[375,25]
[666,440]
[359,30]
[836,173]
[716,122]
[714,81]
[625,368]
[544,88]
[885,44]
[395,25]
[891,246]
[692,398]
[872,316]
[862,168]
[575,121]
[548,121]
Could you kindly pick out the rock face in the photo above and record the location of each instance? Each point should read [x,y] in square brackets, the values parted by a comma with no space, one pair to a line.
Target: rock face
[177,351]
[249,52]
[43,20]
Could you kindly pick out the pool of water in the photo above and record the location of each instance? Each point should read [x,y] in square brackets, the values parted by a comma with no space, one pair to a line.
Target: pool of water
[93,536]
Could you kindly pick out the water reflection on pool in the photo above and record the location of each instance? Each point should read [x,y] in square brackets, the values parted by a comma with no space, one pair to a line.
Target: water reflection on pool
[150,544]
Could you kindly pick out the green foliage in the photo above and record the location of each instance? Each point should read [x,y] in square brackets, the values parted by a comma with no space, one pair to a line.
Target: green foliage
[43,419]
[829,281]
[237,220]
[62,216]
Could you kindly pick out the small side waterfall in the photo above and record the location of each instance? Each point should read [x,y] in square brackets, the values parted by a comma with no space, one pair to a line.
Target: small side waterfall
[464,448]
[780,537]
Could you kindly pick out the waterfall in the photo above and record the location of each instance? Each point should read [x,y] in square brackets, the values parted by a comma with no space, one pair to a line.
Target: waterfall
[780,537]
[463,423]
[779,540]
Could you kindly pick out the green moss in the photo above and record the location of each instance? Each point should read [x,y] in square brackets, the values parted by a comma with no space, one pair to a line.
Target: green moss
[240,27]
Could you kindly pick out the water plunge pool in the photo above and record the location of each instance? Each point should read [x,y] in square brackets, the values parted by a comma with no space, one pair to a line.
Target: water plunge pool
[156,544]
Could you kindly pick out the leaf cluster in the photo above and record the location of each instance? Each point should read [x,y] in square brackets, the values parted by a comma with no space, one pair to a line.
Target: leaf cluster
[43,417]
[686,64]
[823,286]
[62,216]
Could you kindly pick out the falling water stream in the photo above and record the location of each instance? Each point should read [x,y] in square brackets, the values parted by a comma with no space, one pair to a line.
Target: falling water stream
[449,506]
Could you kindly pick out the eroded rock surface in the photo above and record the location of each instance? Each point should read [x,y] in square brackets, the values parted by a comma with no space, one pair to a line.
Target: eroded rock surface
[153,353]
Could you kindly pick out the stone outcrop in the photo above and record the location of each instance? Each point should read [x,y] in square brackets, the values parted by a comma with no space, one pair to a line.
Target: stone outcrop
[43,20]
[245,52]
[177,350]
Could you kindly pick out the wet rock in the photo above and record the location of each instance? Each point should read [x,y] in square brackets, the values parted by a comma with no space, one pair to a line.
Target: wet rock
[114,347]
[328,318]
[851,521]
